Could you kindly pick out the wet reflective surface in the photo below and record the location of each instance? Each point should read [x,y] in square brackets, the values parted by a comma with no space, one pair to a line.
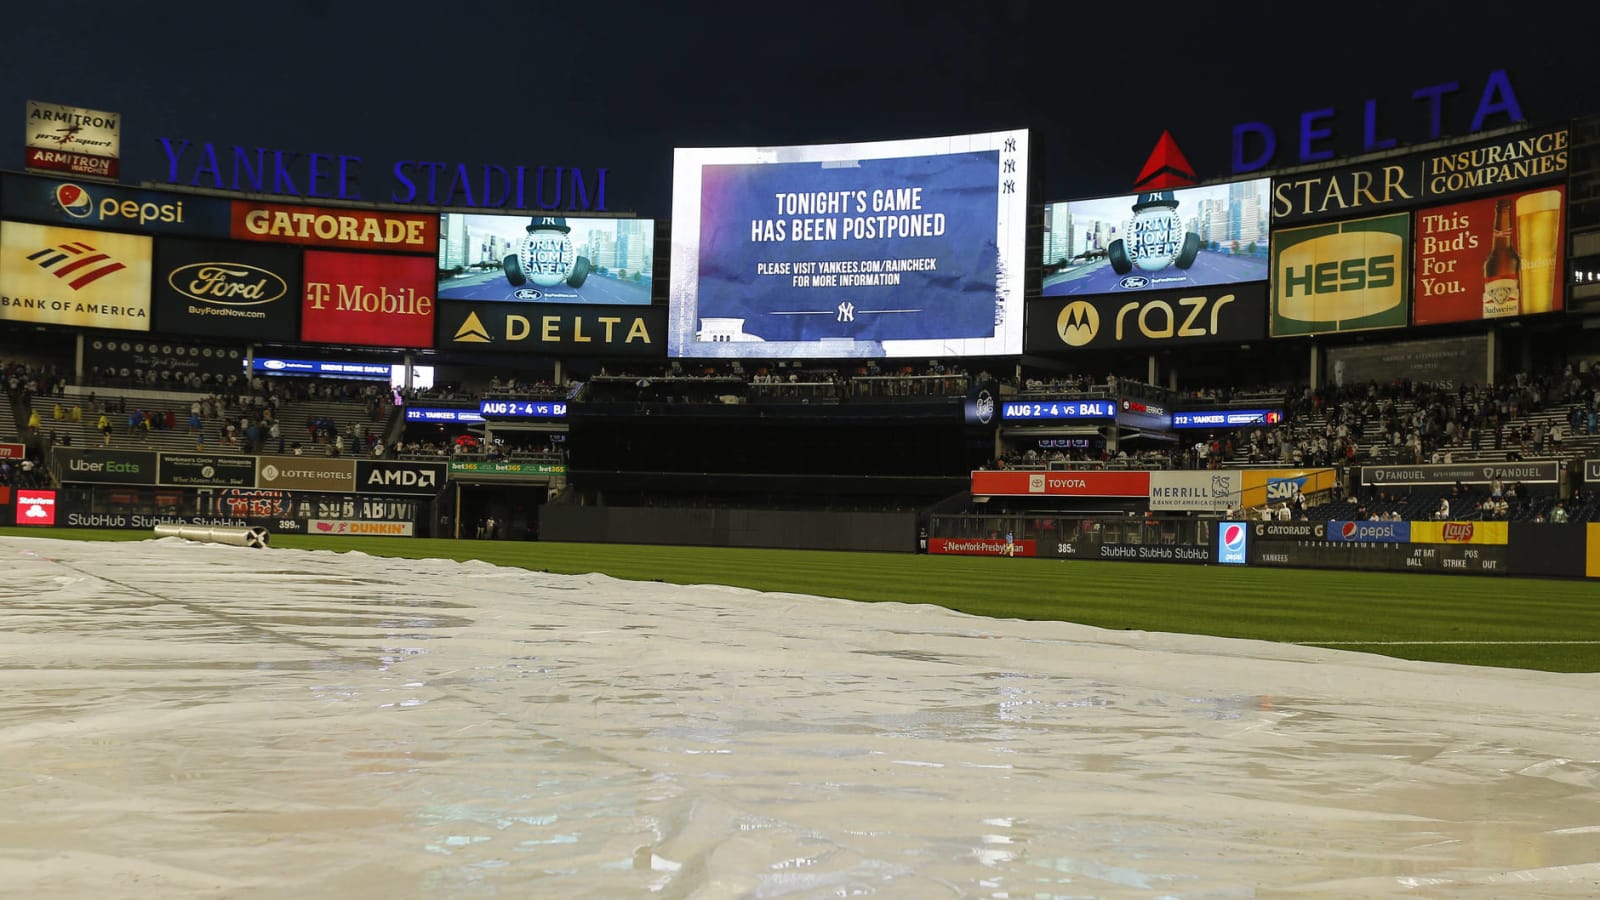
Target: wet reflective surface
[184,719]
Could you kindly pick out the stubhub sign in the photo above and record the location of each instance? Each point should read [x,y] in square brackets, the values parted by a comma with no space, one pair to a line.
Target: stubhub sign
[1372,532]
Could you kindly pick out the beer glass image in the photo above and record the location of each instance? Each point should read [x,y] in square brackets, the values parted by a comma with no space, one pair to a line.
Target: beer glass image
[1539,245]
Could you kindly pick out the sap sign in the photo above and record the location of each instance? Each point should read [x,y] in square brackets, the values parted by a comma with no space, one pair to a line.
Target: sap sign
[1372,532]
[1233,543]
[1061,409]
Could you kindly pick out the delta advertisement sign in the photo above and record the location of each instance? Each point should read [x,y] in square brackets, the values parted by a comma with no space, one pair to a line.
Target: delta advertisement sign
[368,299]
[564,329]
[1340,277]
[1491,258]
[1168,239]
[1166,319]
[70,276]
[1093,483]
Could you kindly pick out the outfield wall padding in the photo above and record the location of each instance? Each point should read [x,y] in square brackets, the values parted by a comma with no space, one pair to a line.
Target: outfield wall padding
[788,529]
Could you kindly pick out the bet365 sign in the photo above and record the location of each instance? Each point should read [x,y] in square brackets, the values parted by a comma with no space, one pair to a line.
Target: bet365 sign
[1341,276]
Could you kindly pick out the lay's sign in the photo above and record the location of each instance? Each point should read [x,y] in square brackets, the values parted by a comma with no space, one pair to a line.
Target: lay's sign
[1459,533]
[1342,276]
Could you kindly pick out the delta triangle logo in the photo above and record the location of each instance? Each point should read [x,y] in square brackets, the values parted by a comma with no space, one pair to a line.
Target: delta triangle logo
[472,331]
[1166,168]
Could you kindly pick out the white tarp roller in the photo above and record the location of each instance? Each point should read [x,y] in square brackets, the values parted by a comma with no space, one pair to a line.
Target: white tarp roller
[236,535]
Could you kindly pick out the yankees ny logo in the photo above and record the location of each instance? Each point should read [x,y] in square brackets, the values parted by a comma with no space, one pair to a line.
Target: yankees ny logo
[847,311]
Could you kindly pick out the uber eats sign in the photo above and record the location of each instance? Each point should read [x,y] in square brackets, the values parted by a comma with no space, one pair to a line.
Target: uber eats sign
[1341,276]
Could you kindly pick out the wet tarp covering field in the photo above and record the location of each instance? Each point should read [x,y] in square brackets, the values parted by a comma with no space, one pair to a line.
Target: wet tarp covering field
[183,719]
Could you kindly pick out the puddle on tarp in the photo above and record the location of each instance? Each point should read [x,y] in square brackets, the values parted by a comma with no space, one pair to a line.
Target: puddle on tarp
[189,719]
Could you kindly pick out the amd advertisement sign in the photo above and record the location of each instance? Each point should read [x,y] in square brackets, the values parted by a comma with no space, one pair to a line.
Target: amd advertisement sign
[226,288]
[393,477]
[1232,314]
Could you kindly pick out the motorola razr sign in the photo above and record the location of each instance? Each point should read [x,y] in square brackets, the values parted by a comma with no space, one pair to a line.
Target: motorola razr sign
[1226,314]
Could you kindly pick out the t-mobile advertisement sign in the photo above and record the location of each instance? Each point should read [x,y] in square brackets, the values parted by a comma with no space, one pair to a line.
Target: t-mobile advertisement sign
[368,299]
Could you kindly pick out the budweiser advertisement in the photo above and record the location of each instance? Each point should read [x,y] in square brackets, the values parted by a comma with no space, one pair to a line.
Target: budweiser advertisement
[227,289]
[1061,484]
[1490,258]
[367,298]
[68,276]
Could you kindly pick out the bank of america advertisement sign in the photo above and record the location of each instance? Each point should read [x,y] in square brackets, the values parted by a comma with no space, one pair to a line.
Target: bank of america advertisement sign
[69,276]
[1342,276]
[1204,491]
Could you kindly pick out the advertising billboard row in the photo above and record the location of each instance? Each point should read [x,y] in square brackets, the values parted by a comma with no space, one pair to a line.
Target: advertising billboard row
[86,254]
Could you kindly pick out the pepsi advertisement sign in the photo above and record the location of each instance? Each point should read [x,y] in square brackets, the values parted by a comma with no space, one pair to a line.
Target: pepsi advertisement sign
[1059,409]
[1369,532]
[102,206]
[1226,418]
[1233,543]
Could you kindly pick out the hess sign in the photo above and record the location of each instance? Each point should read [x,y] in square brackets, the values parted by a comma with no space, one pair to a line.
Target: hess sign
[527,408]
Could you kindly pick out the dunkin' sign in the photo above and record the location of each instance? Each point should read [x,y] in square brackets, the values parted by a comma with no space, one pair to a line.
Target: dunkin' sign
[368,298]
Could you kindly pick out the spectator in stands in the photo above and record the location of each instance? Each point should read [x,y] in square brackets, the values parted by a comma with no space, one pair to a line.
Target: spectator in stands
[1559,514]
[104,427]
[1443,512]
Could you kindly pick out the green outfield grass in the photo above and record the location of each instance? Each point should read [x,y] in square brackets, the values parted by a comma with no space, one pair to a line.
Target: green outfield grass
[1546,624]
